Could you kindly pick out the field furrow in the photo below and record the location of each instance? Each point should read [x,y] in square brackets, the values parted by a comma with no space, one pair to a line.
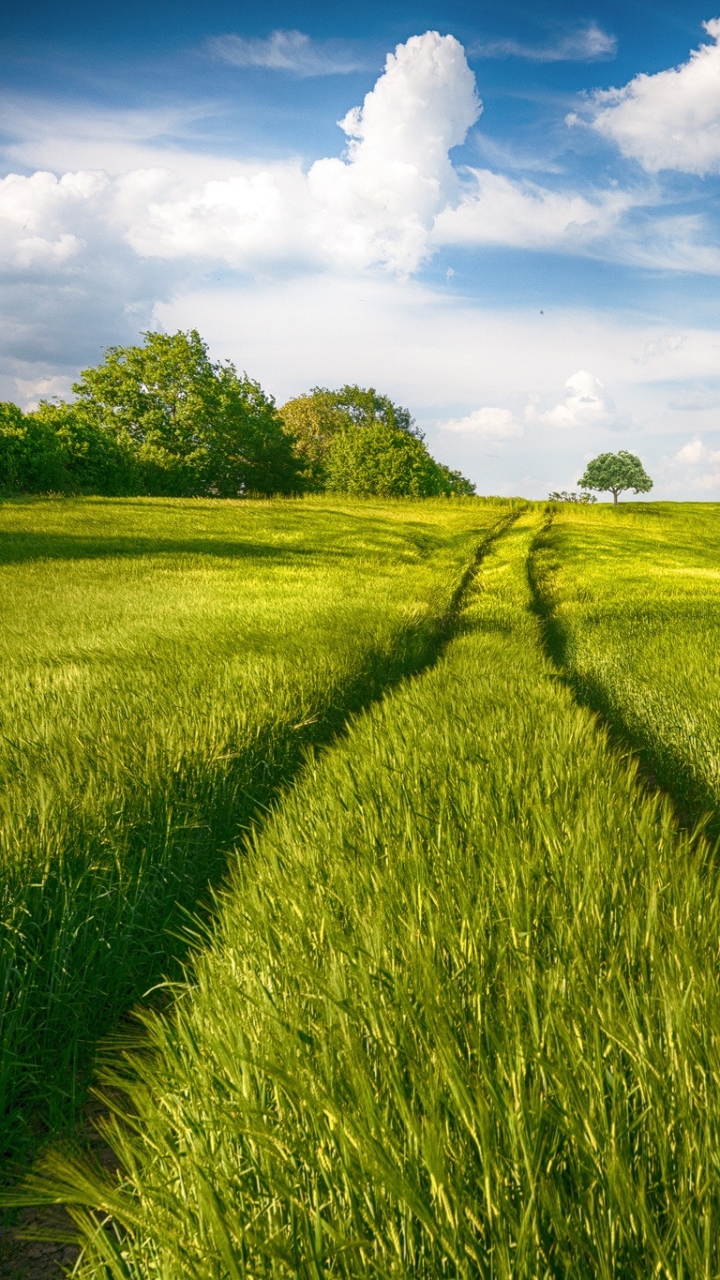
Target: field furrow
[631,601]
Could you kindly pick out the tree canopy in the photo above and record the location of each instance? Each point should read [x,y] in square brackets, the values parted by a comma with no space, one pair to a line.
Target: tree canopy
[381,460]
[615,473]
[355,440]
[163,419]
[196,426]
[316,418]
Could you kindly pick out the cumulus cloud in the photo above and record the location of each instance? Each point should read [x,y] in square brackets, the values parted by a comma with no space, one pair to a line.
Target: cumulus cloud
[586,404]
[291,51]
[32,390]
[36,214]
[247,220]
[586,44]
[381,202]
[670,120]
[695,453]
[152,231]
[391,201]
[490,423]
[376,206]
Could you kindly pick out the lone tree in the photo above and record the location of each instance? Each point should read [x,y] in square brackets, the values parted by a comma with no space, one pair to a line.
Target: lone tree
[616,472]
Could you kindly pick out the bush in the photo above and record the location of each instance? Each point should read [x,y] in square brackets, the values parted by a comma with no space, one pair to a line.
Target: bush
[384,462]
[31,456]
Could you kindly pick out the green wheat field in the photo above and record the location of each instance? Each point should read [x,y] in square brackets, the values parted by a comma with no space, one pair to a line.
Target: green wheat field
[363,858]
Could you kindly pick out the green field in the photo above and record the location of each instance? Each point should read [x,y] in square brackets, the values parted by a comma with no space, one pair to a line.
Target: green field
[455,1009]
[166,666]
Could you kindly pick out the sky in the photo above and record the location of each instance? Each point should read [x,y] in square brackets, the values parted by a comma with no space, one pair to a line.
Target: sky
[504,217]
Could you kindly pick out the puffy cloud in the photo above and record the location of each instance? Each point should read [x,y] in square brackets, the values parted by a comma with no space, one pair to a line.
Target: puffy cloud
[291,51]
[380,204]
[587,404]
[246,221]
[377,206]
[35,213]
[391,201]
[670,120]
[497,210]
[695,453]
[586,44]
[32,390]
[490,423]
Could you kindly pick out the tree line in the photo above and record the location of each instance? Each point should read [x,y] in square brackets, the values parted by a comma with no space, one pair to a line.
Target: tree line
[164,420]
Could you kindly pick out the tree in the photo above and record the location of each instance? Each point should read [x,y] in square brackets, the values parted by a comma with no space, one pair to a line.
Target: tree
[616,472]
[195,426]
[382,461]
[458,484]
[315,419]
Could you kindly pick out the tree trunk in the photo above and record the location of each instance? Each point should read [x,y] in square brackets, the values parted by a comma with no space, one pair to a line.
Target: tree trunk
[615,496]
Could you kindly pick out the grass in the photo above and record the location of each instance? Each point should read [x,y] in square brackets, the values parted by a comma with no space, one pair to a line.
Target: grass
[457,1015]
[165,667]
[632,599]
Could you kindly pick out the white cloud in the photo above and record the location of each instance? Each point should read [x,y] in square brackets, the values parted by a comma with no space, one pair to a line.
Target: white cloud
[670,120]
[587,404]
[586,44]
[490,423]
[695,401]
[695,453]
[246,221]
[392,201]
[377,206]
[286,51]
[380,204]
[35,213]
[497,210]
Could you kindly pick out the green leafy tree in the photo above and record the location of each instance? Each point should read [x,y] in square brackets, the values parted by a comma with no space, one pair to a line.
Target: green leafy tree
[616,472]
[315,419]
[195,426]
[385,462]
[458,483]
[365,407]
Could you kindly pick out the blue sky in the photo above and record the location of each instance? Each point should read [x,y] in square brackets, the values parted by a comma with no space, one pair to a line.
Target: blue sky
[514,230]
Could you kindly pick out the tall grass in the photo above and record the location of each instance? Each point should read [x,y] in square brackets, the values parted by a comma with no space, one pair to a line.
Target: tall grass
[164,668]
[632,600]
[457,1016]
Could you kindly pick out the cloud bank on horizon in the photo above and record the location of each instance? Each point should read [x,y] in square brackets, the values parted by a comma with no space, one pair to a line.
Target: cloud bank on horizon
[135,241]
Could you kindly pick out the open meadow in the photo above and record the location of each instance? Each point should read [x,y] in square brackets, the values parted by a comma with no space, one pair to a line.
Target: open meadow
[166,666]
[451,1006]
